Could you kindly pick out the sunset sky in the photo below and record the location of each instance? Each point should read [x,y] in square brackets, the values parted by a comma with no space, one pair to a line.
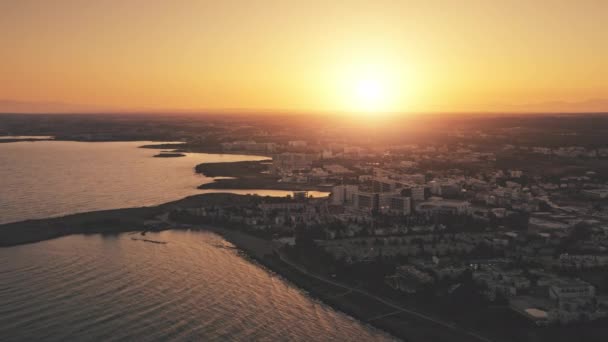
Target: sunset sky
[347,56]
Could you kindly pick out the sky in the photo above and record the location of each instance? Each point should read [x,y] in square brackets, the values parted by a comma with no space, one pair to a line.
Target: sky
[334,56]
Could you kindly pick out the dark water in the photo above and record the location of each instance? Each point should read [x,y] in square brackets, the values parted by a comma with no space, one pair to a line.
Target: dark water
[111,288]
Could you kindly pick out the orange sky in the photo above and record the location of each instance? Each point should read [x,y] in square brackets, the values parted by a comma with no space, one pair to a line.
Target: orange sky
[482,55]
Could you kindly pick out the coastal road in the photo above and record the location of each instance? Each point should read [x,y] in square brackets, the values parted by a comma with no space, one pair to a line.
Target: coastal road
[398,308]
[260,247]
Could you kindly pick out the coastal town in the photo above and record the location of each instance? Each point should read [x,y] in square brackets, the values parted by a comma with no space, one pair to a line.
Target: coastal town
[439,220]
[507,223]
[304,171]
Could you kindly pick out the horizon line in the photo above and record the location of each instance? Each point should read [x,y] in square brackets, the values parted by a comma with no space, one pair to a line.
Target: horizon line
[261,112]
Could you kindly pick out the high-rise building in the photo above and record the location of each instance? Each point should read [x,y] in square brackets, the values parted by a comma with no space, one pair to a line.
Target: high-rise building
[400,205]
[382,185]
[367,201]
[343,194]
[418,193]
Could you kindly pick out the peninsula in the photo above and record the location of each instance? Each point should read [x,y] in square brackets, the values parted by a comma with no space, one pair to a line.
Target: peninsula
[248,175]
[169,155]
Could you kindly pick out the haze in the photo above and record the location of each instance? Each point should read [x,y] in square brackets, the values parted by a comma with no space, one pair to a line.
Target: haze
[346,56]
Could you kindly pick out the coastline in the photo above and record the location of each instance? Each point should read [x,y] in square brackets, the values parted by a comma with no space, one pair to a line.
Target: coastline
[368,309]
[111,221]
[189,148]
[364,307]
[247,175]
[260,252]
[95,222]
[6,141]
[244,184]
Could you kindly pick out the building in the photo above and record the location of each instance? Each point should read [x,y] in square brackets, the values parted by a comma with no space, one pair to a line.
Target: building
[249,145]
[409,279]
[568,261]
[500,282]
[297,143]
[383,202]
[435,188]
[343,194]
[516,173]
[383,185]
[537,224]
[418,193]
[292,161]
[367,201]
[336,169]
[567,289]
[596,193]
[446,189]
[400,205]
[443,206]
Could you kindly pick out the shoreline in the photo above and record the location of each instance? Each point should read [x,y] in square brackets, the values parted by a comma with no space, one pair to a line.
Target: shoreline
[239,184]
[365,308]
[247,175]
[355,303]
[252,253]
[188,148]
[110,221]
[241,179]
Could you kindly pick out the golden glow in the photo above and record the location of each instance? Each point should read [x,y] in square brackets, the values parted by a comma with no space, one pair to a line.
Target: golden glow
[371,94]
[358,56]
[371,91]
[372,85]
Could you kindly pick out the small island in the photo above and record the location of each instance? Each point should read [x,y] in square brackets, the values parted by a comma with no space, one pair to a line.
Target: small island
[169,155]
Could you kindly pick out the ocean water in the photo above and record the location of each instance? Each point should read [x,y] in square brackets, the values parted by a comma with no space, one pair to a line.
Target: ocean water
[112,288]
[56,178]
[194,288]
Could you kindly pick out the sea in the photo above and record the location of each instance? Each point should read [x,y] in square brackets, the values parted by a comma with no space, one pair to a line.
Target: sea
[196,287]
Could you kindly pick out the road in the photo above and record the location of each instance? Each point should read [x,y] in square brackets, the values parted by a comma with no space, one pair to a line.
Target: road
[397,307]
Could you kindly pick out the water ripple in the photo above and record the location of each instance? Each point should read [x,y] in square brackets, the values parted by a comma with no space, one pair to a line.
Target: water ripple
[89,288]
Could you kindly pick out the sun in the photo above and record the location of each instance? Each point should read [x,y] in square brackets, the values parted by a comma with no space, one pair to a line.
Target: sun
[370,95]
[369,89]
